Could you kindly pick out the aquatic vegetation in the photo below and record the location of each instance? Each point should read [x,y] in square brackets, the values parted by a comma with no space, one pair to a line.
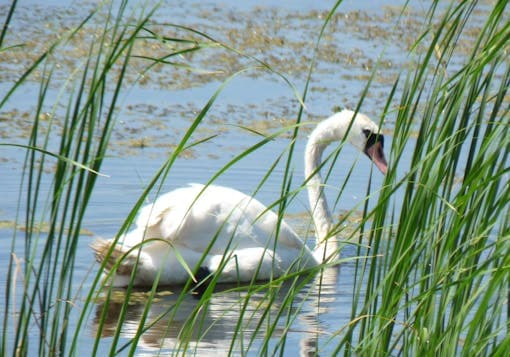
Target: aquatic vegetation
[427,268]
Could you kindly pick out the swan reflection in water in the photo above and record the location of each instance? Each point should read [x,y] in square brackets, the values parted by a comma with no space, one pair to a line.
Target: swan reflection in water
[181,322]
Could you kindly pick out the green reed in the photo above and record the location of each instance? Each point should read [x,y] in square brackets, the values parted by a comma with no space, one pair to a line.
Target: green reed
[442,283]
[433,273]
[52,221]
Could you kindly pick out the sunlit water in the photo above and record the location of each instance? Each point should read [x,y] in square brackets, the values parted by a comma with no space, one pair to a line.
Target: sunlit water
[243,102]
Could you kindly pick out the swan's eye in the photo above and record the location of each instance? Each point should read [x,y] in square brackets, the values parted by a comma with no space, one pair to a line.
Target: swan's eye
[372,138]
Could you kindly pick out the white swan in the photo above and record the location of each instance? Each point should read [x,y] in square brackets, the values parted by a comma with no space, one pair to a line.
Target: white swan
[217,229]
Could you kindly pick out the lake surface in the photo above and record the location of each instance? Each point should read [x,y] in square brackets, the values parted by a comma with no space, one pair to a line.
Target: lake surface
[156,112]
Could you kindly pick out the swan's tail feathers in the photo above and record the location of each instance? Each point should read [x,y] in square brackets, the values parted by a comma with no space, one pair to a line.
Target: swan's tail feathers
[119,259]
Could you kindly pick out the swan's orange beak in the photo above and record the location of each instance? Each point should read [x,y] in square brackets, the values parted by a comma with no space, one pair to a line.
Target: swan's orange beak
[375,152]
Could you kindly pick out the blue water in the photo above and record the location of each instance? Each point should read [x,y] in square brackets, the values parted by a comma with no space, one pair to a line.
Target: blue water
[129,169]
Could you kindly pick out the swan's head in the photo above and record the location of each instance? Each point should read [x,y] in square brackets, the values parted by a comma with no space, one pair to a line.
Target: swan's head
[358,130]
[365,135]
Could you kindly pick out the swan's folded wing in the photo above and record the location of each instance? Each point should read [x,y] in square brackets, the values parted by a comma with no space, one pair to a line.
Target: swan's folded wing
[164,217]
[215,219]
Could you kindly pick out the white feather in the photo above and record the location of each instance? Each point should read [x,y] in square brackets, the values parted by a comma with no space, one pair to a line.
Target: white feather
[226,231]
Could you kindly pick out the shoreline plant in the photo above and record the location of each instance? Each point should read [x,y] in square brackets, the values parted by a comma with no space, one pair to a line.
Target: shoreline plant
[432,269]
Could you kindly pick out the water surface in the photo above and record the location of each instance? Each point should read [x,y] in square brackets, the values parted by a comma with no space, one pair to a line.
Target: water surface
[157,110]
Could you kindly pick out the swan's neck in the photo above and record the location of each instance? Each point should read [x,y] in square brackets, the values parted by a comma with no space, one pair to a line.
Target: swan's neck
[326,245]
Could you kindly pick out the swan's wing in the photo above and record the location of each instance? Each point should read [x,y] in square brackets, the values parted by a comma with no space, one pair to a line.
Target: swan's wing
[193,218]
[162,218]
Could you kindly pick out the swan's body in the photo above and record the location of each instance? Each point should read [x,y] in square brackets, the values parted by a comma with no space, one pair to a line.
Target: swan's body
[222,230]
